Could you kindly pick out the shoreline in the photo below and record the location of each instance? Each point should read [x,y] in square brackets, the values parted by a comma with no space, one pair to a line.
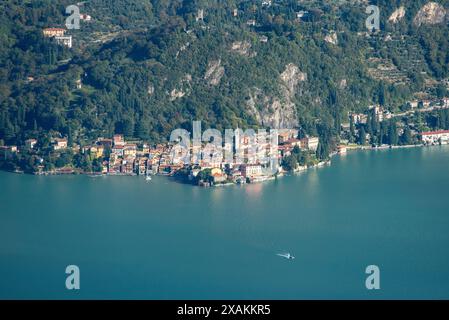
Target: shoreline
[299,170]
[386,147]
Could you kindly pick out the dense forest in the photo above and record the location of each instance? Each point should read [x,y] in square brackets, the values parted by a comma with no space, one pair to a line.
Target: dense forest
[150,66]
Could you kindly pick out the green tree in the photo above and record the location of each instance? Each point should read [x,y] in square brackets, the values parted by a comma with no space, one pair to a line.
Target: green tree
[406,137]
[393,134]
[362,135]
[289,163]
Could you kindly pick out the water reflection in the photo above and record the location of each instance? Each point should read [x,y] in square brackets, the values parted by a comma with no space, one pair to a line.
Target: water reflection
[253,191]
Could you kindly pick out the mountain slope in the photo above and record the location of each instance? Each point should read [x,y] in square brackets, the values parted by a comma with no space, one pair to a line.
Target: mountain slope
[147,67]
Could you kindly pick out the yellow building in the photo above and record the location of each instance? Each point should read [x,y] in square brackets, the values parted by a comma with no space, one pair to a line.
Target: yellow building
[97,151]
[130,150]
[54,32]
[216,171]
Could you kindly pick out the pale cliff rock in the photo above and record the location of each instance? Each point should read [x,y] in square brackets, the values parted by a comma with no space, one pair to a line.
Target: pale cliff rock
[214,72]
[278,112]
[432,13]
[397,15]
[183,89]
[331,38]
[176,94]
[243,48]
[291,77]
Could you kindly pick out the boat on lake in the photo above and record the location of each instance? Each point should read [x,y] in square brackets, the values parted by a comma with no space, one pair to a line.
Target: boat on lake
[286,256]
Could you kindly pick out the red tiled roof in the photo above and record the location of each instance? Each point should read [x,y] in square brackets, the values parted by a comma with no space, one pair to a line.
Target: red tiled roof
[291,141]
[54,29]
[434,132]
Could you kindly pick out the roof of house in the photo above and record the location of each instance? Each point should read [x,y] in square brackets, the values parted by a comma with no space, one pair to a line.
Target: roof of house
[429,133]
[293,140]
[54,29]
[246,165]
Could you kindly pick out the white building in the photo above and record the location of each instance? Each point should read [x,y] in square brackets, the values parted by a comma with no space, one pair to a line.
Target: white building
[413,104]
[65,40]
[301,14]
[310,143]
[359,118]
[263,39]
[200,15]
[266,3]
[378,112]
[85,17]
[60,144]
[445,103]
[435,137]
[251,170]
[30,143]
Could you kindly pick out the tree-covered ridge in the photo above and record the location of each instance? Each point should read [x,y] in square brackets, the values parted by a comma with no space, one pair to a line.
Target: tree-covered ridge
[148,67]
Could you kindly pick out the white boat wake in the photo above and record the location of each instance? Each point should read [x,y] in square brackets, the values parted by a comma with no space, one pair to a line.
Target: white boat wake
[286,255]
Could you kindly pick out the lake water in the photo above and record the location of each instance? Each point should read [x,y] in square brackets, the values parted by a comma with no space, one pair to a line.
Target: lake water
[134,239]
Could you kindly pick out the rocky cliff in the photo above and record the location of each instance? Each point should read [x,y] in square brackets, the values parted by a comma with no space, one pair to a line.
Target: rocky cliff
[432,13]
[278,111]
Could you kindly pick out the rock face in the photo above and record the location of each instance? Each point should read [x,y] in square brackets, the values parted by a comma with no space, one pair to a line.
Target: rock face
[243,48]
[278,112]
[214,73]
[397,15]
[432,13]
[183,89]
[176,94]
[331,38]
[291,77]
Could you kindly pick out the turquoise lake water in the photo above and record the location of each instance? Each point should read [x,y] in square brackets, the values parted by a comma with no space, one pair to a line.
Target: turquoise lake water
[134,239]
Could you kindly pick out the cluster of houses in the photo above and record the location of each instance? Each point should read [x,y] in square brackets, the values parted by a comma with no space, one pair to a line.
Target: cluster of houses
[288,141]
[59,35]
[238,174]
[128,158]
[300,15]
[439,137]
[30,144]
[382,114]
[121,157]
[249,168]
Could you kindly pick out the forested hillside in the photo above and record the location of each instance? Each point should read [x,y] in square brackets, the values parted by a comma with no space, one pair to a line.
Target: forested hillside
[147,67]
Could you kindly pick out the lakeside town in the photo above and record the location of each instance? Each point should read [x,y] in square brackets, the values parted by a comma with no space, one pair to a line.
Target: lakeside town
[117,156]
[295,152]
[417,123]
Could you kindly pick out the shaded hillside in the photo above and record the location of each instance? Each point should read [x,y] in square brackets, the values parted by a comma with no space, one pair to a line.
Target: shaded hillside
[147,67]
